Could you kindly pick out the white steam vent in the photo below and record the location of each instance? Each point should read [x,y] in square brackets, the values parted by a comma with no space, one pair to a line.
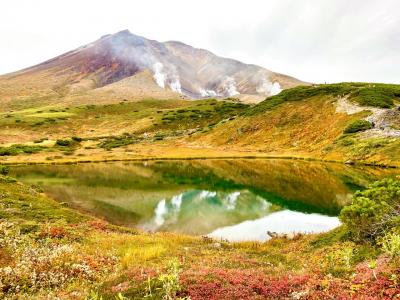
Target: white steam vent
[159,76]
[208,93]
[175,84]
[229,87]
[167,75]
[269,88]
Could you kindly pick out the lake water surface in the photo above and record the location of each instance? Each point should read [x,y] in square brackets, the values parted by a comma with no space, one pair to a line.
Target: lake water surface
[229,199]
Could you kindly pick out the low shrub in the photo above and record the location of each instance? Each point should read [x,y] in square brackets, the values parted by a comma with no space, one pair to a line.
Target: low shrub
[4,170]
[118,141]
[42,264]
[167,285]
[391,244]
[359,125]
[63,143]
[338,260]
[378,96]
[18,149]
[7,179]
[373,212]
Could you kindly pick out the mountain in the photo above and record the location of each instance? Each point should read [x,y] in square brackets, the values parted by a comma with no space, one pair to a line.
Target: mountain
[126,65]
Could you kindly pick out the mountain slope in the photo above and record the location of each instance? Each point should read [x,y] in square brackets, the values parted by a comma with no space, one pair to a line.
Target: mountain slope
[318,122]
[344,122]
[177,69]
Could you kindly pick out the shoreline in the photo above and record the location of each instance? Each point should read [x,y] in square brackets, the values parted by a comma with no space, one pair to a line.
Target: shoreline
[217,157]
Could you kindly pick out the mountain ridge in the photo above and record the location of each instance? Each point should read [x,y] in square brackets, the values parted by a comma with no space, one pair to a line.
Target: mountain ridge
[179,69]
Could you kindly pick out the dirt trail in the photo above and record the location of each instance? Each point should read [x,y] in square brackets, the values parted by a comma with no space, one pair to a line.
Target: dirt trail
[382,119]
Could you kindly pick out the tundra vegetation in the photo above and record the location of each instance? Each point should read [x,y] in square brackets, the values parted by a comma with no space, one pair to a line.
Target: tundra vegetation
[50,250]
[288,124]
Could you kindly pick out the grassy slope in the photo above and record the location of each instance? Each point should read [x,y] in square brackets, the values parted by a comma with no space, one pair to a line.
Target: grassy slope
[303,122]
[112,119]
[300,122]
[49,250]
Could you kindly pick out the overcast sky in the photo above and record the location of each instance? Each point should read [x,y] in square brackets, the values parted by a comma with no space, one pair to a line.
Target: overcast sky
[313,40]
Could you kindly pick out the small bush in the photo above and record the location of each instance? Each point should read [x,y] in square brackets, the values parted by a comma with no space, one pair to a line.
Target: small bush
[339,259]
[391,244]
[159,137]
[4,170]
[18,149]
[76,139]
[63,143]
[373,212]
[167,285]
[7,179]
[118,141]
[359,125]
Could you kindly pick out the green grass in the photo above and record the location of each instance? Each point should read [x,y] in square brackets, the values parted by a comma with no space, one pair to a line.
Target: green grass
[365,94]
[367,149]
[29,206]
[50,115]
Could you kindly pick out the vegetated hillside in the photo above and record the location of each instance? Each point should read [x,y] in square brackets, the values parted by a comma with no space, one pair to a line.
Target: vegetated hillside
[142,119]
[48,249]
[127,66]
[347,121]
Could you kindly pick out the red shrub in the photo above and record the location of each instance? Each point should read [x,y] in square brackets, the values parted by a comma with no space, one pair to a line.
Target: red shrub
[98,224]
[53,232]
[238,284]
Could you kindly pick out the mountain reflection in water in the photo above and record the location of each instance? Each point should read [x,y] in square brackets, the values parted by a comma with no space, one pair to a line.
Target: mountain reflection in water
[231,199]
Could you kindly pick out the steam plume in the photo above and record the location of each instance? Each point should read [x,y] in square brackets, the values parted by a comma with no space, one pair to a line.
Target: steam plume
[230,87]
[159,76]
[175,84]
[269,88]
[208,93]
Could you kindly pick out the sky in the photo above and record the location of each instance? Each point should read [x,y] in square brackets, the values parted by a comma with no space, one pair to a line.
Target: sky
[313,40]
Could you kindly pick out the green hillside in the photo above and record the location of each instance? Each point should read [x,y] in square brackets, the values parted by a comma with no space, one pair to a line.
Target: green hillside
[343,122]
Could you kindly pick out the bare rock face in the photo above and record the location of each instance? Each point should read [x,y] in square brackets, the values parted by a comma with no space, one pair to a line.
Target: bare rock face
[175,67]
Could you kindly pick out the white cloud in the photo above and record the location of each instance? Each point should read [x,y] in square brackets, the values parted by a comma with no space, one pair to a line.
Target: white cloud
[314,40]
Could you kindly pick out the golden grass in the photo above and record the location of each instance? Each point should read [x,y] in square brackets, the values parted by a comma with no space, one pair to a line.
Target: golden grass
[134,256]
[307,129]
